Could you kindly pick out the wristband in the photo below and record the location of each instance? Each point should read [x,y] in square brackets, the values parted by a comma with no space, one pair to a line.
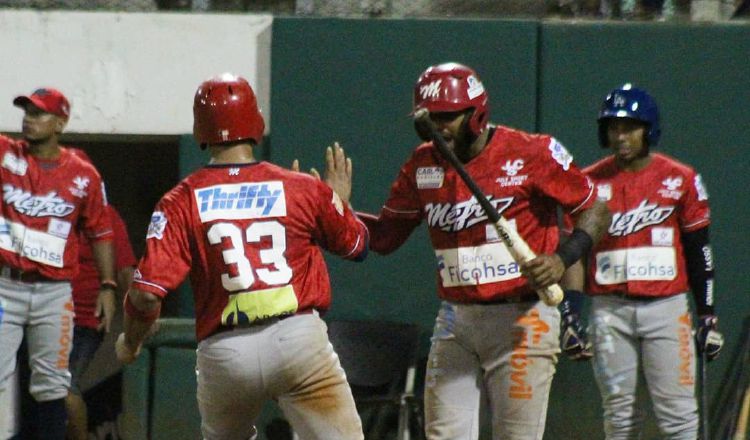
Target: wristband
[138,314]
[577,245]
[108,284]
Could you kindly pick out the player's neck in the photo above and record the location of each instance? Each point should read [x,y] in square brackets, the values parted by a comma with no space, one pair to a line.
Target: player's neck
[48,149]
[238,153]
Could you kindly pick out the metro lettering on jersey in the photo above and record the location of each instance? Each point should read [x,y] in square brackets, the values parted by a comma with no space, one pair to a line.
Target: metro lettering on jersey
[241,201]
[453,218]
[49,205]
[642,216]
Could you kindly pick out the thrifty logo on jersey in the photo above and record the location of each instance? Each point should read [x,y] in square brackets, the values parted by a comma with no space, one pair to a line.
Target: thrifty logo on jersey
[16,165]
[644,215]
[670,188]
[49,205]
[636,264]
[560,154]
[430,177]
[512,168]
[241,201]
[32,244]
[462,215]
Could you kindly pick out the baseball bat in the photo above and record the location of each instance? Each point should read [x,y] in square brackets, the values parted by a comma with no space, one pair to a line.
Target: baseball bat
[517,247]
[704,427]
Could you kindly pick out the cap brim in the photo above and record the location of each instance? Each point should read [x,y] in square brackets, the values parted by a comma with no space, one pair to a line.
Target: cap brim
[21,101]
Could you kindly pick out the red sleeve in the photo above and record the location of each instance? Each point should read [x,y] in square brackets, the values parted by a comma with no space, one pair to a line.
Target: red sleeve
[695,213]
[341,232]
[563,180]
[167,259]
[97,224]
[123,250]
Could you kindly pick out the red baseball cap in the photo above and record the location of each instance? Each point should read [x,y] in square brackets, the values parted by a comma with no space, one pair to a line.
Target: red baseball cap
[47,99]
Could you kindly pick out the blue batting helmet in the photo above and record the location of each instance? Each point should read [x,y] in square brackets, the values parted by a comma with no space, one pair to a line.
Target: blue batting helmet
[630,102]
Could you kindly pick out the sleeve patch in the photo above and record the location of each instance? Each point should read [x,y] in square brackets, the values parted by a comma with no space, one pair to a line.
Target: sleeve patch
[560,154]
[157,226]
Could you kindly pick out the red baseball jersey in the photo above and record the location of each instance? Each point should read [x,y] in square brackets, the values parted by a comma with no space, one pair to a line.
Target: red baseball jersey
[524,176]
[45,202]
[86,284]
[641,253]
[250,236]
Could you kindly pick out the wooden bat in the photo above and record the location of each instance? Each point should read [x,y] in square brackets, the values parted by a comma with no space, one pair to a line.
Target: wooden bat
[517,247]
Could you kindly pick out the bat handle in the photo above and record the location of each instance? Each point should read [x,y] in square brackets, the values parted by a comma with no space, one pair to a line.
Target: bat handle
[551,295]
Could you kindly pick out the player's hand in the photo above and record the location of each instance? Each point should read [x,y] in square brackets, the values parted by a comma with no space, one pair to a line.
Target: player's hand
[106,305]
[313,171]
[573,339]
[708,337]
[338,174]
[125,353]
[543,271]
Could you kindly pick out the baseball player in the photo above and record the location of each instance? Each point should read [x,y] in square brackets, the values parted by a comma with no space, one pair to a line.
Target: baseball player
[48,194]
[250,234]
[89,328]
[492,332]
[655,250]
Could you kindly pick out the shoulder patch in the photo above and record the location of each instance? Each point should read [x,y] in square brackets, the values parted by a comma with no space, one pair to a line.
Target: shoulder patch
[560,154]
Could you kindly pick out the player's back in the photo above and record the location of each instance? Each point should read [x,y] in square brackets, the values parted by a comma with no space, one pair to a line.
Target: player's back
[253,233]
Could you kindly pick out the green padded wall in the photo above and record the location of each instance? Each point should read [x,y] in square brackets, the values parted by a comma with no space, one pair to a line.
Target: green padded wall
[352,81]
[699,76]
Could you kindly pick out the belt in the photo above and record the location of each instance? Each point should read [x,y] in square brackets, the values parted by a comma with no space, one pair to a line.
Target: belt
[636,297]
[264,321]
[515,299]
[16,274]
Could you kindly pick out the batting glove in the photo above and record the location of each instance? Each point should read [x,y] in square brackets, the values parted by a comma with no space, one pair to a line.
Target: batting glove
[573,340]
[708,337]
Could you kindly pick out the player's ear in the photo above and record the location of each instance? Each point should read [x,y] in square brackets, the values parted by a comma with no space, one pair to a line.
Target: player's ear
[60,124]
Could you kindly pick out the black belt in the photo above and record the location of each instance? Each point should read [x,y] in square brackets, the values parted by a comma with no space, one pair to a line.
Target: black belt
[635,297]
[259,322]
[16,274]
[515,299]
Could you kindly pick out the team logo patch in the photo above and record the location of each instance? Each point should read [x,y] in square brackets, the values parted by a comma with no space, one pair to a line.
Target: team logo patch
[475,87]
[430,177]
[79,190]
[511,169]
[241,201]
[670,188]
[700,188]
[157,226]
[60,228]
[16,165]
[662,236]
[560,154]
[431,90]
[604,192]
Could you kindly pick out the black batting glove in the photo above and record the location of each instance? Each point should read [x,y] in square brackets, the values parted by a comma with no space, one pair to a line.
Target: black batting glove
[708,337]
[573,340]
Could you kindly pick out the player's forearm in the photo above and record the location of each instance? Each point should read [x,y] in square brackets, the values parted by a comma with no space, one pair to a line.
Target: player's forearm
[141,309]
[595,220]
[104,256]
[386,235]
[700,267]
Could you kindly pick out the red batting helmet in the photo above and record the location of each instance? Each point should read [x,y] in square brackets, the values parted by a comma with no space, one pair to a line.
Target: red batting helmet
[225,109]
[453,87]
